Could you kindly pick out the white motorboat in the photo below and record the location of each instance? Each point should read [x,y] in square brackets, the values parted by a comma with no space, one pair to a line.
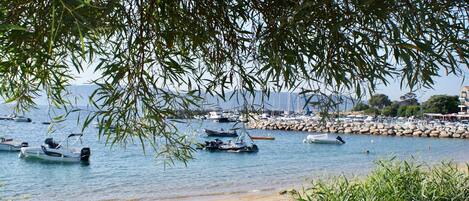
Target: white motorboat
[323,139]
[21,119]
[8,144]
[60,152]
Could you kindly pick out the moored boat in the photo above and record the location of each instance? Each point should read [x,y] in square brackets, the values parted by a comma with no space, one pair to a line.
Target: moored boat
[21,119]
[8,144]
[221,133]
[323,139]
[58,152]
[243,143]
[230,146]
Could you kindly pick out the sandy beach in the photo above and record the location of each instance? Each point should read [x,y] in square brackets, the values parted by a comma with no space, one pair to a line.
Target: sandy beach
[272,195]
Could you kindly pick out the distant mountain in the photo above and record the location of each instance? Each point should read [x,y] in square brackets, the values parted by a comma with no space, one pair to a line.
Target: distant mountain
[282,101]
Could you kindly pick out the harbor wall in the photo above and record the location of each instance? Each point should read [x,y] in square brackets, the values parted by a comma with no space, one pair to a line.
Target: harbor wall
[364,128]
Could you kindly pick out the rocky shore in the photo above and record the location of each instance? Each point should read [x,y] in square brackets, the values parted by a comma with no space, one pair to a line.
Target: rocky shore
[371,128]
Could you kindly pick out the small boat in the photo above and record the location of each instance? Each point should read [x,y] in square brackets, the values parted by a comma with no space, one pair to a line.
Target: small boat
[243,143]
[8,144]
[230,146]
[323,139]
[221,133]
[222,120]
[45,122]
[262,138]
[58,152]
[21,119]
[9,117]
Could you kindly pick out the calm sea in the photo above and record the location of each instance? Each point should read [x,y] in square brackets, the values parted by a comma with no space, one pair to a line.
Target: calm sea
[126,173]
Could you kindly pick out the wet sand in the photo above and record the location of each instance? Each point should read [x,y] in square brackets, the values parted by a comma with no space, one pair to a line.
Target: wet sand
[273,195]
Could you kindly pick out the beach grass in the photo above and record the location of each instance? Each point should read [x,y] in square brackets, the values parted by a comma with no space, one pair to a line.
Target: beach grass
[395,180]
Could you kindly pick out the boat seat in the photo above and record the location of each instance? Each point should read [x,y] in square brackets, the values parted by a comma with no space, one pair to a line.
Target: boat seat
[50,142]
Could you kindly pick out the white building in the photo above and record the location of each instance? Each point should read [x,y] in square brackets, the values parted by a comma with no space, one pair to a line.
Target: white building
[464,100]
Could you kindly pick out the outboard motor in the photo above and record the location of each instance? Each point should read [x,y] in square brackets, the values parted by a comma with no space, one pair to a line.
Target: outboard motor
[24,144]
[85,154]
[340,139]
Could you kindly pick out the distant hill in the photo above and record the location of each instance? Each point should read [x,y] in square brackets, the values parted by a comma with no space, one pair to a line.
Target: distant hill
[282,101]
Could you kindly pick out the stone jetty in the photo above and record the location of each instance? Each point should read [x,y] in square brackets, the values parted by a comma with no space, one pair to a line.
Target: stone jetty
[364,128]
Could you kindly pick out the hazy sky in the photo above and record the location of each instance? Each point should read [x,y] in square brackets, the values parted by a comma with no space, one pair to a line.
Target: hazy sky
[443,85]
[449,85]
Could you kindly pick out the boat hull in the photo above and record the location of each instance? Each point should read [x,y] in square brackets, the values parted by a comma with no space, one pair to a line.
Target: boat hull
[21,119]
[9,147]
[323,141]
[212,133]
[59,155]
[262,138]
[218,145]
[247,149]
[222,120]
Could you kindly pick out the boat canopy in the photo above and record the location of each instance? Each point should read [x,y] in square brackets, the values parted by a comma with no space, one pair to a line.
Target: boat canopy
[75,134]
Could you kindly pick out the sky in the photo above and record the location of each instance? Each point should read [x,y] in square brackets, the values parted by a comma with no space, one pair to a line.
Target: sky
[449,85]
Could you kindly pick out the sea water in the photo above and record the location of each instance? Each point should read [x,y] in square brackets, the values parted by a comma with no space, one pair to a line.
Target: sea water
[119,172]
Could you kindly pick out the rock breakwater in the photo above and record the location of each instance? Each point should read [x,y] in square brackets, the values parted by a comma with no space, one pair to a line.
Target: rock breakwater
[365,128]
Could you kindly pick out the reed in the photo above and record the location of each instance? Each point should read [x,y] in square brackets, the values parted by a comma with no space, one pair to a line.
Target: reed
[395,180]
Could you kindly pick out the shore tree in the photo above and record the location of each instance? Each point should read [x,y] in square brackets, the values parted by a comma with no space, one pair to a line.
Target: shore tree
[360,107]
[408,99]
[379,101]
[155,57]
[443,104]
[391,110]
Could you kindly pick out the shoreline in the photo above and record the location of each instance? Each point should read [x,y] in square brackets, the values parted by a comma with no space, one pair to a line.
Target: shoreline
[283,194]
[364,128]
[256,195]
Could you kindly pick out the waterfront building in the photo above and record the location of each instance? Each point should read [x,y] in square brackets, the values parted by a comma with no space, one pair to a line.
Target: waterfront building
[464,100]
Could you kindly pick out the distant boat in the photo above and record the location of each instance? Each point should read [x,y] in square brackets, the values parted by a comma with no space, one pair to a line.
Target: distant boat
[265,116]
[323,139]
[59,152]
[9,117]
[21,119]
[217,117]
[243,118]
[8,144]
[262,138]
[222,133]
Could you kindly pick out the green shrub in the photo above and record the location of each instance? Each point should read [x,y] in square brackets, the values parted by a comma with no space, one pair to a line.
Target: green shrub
[395,180]
[372,111]
[360,107]
[408,110]
[390,110]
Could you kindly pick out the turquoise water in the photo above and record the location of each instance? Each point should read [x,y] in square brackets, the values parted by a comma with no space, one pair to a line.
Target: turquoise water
[125,173]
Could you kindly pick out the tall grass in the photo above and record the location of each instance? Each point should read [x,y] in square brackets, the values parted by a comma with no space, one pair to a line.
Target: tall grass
[395,180]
